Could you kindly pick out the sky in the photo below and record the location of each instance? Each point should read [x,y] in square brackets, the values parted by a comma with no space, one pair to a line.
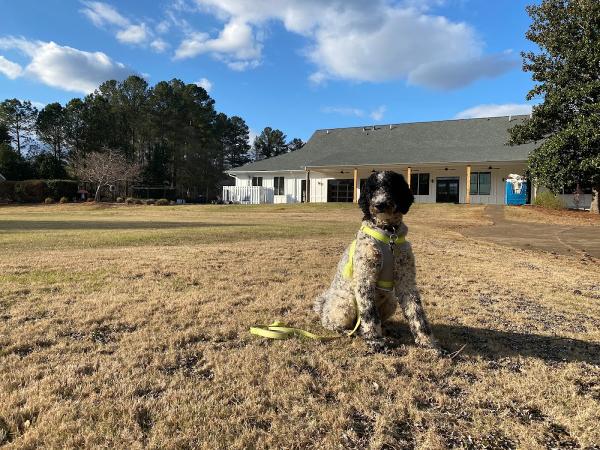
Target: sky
[296,65]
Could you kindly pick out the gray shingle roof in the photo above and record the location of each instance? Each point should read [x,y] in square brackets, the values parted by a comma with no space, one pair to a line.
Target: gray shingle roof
[448,141]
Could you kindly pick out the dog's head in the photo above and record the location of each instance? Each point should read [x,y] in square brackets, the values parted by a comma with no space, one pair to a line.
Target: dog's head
[385,198]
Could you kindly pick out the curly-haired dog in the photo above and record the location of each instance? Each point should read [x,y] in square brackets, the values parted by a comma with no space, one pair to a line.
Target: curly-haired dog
[377,271]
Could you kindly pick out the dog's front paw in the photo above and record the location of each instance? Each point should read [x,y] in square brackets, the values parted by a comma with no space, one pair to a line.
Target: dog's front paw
[432,344]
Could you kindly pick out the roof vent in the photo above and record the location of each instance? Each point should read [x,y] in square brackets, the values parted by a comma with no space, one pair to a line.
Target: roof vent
[390,126]
[510,118]
[364,129]
[326,131]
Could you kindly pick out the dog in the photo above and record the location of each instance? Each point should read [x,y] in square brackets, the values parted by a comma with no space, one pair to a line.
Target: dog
[377,271]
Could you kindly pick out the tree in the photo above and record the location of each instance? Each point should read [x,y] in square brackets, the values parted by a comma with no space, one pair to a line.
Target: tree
[4,136]
[12,165]
[567,76]
[269,143]
[103,169]
[44,165]
[51,128]
[19,118]
[234,141]
[295,144]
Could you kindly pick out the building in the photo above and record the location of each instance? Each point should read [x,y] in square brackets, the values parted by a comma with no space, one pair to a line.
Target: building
[451,161]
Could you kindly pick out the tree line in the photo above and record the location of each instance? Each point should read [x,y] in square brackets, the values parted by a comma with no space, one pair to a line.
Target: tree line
[171,132]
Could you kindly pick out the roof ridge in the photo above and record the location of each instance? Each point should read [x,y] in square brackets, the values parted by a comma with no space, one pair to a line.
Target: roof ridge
[422,122]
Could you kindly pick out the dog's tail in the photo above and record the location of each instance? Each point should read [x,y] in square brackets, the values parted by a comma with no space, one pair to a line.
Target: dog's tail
[318,305]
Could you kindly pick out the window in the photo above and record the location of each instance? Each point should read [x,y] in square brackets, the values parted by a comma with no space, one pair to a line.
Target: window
[419,183]
[480,183]
[340,190]
[278,186]
[257,181]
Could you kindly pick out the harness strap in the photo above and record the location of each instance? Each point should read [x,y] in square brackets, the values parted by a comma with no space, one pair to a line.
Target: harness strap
[382,237]
[379,236]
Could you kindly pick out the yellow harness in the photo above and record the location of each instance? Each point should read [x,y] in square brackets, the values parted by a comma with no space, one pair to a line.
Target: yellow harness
[381,237]
[278,330]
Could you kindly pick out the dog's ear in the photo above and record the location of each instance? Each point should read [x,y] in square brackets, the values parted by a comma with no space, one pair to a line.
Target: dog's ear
[403,196]
[366,192]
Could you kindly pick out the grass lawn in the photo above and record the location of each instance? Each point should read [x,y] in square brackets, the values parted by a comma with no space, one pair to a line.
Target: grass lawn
[127,327]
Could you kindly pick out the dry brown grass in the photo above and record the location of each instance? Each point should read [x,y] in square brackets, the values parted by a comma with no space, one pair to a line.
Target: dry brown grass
[126,327]
[538,214]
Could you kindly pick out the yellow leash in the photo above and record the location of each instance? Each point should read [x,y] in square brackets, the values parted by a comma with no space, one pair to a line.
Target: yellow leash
[278,330]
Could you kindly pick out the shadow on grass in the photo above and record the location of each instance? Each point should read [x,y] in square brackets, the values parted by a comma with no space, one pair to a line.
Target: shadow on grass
[22,225]
[494,344]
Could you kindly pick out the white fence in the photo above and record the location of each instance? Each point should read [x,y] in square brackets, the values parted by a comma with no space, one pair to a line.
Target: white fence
[247,195]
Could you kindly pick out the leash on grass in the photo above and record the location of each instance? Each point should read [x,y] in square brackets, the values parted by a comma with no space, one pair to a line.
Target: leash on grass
[278,330]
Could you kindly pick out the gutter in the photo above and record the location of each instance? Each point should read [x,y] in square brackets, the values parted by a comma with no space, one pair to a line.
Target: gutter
[447,163]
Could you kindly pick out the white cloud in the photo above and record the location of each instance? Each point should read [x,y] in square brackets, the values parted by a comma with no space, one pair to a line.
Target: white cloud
[159,45]
[204,83]
[163,27]
[377,114]
[359,40]
[344,111]
[11,69]
[65,67]
[104,15]
[235,44]
[494,110]
[134,34]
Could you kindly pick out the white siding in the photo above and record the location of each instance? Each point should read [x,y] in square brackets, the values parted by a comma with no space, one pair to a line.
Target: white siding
[318,182]
[292,184]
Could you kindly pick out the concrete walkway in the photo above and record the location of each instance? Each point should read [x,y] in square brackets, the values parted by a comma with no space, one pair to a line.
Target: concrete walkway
[563,239]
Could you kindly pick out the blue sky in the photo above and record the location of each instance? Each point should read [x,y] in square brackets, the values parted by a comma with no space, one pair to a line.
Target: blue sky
[296,65]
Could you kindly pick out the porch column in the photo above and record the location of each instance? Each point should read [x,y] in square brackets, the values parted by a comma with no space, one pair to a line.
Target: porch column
[307,199]
[355,194]
[408,176]
[468,196]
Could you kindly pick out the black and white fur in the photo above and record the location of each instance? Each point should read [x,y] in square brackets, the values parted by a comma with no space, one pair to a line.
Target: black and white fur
[384,200]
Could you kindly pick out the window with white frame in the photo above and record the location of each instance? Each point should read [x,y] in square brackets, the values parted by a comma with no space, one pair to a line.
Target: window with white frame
[278,186]
[481,183]
[257,181]
[419,183]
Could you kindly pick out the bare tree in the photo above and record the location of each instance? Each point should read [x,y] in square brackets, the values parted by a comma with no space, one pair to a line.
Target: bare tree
[104,168]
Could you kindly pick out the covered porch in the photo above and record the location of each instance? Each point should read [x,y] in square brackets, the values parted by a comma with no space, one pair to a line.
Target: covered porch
[477,183]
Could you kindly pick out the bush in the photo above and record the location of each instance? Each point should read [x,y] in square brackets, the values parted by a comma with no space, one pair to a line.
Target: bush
[129,201]
[90,200]
[36,191]
[48,200]
[150,201]
[162,202]
[120,200]
[62,188]
[137,201]
[547,199]
[31,191]
[64,200]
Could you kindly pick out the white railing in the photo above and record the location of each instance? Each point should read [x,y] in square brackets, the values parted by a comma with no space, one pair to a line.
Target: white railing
[247,195]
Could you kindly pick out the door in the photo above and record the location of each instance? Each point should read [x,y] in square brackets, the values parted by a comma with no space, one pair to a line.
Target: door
[303,191]
[447,190]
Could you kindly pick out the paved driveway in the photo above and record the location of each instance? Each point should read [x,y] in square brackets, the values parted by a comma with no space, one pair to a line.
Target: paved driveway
[563,239]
